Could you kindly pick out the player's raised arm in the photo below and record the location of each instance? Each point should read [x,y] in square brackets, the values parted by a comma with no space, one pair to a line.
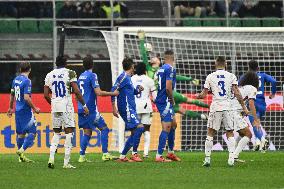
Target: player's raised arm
[143,50]
[11,102]
[270,79]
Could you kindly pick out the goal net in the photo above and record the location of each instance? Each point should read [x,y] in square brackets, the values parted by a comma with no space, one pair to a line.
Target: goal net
[195,51]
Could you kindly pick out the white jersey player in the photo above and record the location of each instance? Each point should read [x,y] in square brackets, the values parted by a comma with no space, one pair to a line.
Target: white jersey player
[222,84]
[248,89]
[143,102]
[59,83]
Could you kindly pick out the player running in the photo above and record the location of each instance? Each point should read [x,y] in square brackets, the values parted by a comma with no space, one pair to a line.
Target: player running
[126,107]
[90,89]
[221,83]
[260,104]
[248,89]
[165,102]
[143,102]
[153,66]
[59,83]
[25,121]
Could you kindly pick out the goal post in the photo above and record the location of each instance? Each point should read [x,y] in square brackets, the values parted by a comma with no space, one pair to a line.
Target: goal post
[195,50]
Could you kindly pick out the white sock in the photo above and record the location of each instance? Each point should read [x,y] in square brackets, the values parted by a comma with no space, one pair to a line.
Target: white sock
[147,139]
[121,156]
[208,146]
[243,142]
[231,146]
[158,155]
[54,143]
[238,140]
[68,147]
[134,152]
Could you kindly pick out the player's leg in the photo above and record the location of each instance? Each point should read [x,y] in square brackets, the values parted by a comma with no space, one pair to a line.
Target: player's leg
[246,133]
[147,140]
[137,133]
[171,142]
[191,114]
[57,128]
[179,98]
[213,125]
[69,128]
[228,121]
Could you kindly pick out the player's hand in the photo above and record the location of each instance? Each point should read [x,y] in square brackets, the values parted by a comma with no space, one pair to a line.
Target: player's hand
[198,96]
[115,93]
[271,96]
[36,110]
[115,112]
[195,82]
[256,123]
[10,112]
[86,111]
[140,89]
[172,101]
[245,111]
[141,34]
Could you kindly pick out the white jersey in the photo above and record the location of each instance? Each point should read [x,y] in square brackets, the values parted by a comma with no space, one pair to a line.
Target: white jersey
[142,100]
[220,84]
[59,82]
[247,92]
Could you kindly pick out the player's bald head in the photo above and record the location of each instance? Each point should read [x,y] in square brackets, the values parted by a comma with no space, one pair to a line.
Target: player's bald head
[220,62]
[25,67]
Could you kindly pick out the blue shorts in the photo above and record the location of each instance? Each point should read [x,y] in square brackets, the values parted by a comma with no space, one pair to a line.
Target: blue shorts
[25,122]
[130,118]
[91,121]
[166,112]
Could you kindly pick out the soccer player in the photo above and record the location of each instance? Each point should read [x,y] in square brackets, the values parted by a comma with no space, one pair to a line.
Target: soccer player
[25,121]
[165,102]
[260,104]
[221,83]
[153,66]
[126,107]
[90,89]
[143,102]
[248,89]
[59,83]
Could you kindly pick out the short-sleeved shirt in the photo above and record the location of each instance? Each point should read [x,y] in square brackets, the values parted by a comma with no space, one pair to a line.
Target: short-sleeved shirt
[164,74]
[59,81]
[247,92]
[220,83]
[143,100]
[21,85]
[87,82]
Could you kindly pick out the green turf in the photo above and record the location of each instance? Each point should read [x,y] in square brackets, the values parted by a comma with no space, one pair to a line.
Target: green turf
[260,171]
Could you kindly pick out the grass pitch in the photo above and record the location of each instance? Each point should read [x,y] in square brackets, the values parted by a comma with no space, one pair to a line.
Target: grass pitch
[260,171]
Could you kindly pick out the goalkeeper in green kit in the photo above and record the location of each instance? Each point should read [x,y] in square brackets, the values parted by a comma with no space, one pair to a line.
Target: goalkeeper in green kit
[152,67]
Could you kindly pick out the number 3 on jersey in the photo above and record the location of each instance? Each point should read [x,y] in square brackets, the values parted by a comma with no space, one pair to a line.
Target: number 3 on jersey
[59,87]
[222,88]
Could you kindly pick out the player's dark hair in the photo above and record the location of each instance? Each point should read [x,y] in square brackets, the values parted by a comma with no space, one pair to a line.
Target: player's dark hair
[25,67]
[127,63]
[88,63]
[140,69]
[250,78]
[253,65]
[61,61]
[221,61]
[169,52]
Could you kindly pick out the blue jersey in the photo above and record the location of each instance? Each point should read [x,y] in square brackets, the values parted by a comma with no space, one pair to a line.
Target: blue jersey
[127,92]
[166,72]
[263,78]
[21,86]
[88,81]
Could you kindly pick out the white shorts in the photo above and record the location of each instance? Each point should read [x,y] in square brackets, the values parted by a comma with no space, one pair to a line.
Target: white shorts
[145,118]
[239,120]
[63,120]
[216,119]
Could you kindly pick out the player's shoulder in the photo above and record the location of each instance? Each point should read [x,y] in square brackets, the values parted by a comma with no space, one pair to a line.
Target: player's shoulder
[250,88]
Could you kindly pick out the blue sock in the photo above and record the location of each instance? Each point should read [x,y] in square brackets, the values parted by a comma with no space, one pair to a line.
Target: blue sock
[171,139]
[29,140]
[258,133]
[128,145]
[84,143]
[162,141]
[20,142]
[136,138]
[104,139]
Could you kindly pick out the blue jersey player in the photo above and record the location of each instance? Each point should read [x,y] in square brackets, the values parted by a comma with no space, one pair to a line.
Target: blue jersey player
[90,89]
[260,105]
[126,107]
[25,120]
[165,102]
